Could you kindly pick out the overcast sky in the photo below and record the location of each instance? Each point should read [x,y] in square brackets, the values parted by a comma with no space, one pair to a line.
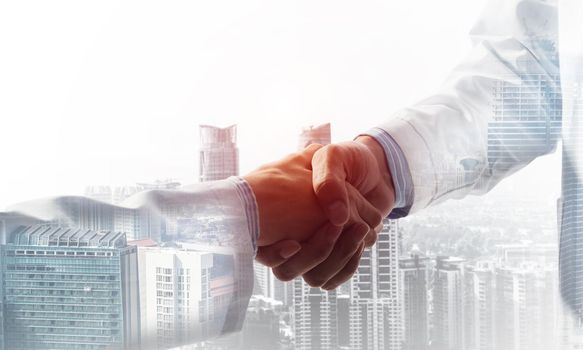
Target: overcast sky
[111,92]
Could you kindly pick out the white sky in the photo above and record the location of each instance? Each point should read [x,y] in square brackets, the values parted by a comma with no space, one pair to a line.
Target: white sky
[111,92]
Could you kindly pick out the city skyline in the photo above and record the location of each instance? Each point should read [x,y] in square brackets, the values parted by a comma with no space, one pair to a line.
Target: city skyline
[382,307]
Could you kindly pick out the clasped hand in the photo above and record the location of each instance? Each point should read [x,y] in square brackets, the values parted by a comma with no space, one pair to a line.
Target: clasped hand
[320,208]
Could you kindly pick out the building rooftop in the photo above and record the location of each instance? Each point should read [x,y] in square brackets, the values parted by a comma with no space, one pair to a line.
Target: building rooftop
[55,236]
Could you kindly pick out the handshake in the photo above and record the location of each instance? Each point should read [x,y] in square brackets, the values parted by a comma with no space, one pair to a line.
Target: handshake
[320,208]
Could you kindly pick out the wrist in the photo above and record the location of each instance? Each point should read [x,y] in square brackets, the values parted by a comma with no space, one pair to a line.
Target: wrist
[258,185]
[286,204]
[378,153]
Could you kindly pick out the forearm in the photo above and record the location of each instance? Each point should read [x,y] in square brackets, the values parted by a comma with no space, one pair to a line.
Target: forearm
[462,139]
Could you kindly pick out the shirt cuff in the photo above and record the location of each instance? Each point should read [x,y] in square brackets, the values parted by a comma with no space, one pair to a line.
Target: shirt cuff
[251,210]
[400,173]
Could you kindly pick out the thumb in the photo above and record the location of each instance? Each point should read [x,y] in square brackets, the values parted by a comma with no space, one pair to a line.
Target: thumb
[329,181]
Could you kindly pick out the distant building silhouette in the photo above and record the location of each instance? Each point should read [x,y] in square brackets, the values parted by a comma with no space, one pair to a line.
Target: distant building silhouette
[315,310]
[219,155]
[414,275]
[448,304]
[376,319]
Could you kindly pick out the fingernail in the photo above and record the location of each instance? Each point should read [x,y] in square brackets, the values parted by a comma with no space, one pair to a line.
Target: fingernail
[289,251]
[338,212]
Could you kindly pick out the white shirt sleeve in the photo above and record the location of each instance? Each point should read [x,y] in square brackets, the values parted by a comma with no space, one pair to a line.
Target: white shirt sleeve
[499,109]
[185,255]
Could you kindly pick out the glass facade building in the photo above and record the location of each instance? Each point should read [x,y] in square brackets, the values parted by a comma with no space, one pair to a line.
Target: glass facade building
[62,289]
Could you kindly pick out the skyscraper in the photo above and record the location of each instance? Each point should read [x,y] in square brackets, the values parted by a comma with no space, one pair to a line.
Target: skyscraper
[176,287]
[343,314]
[219,156]
[413,273]
[321,134]
[484,305]
[570,206]
[448,304]
[315,320]
[523,126]
[68,288]
[376,312]
[314,310]
[527,111]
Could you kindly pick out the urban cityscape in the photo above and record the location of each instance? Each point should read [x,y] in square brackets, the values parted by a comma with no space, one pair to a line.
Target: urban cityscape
[111,277]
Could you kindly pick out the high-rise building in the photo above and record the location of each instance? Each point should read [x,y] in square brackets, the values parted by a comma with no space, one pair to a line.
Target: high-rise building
[219,156]
[526,307]
[523,126]
[414,276]
[484,305]
[177,290]
[69,288]
[321,134]
[264,281]
[448,304]
[315,317]
[314,310]
[343,314]
[376,312]
[570,208]
[526,112]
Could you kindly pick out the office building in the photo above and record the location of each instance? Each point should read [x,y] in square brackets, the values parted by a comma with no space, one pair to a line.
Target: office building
[526,307]
[69,288]
[177,292]
[414,274]
[343,313]
[219,156]
[315,318]
[448,330]
[376,312]
[526,112]
[570,208]
[314,310]
[484,304]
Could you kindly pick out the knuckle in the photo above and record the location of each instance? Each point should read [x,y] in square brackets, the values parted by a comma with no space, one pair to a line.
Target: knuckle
[325,181]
